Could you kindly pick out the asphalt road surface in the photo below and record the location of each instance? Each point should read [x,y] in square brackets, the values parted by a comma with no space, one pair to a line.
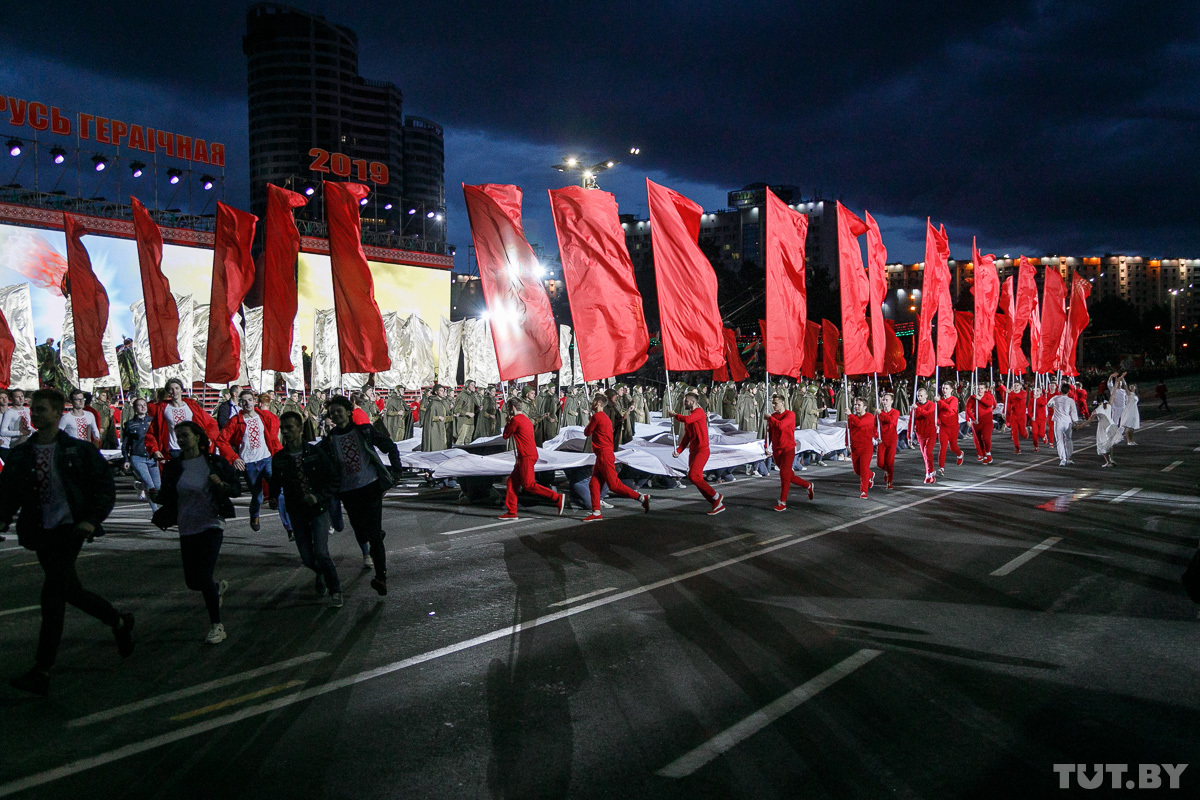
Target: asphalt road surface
[949,641]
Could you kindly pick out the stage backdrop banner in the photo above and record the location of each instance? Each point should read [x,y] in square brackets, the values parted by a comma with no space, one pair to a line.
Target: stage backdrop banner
[564,354]
[70,363]
[416,349]
[258,379]
[150,378]
[451,347]
[325,372]
[23,369]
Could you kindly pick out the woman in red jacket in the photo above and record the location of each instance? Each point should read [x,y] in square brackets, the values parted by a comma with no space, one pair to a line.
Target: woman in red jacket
[861,427]
[160,438]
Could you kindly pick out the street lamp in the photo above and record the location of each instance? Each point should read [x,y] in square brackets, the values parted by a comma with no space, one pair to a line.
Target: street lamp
[587,175]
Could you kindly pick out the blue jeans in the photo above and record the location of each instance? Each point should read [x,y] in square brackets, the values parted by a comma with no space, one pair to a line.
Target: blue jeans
[312,541]
[146,470]
[255,472]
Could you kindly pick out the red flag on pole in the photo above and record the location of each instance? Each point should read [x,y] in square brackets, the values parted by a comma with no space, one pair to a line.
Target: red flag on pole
[811,333]
[987,296]
[687,285]
[1025,301]
[946,336]
[736,368]
[162,316]
[281,245]
[893,360]
[362,342]
[8,346]
[829,343]
[964,350]
[1013,359]
[877,278]
[606,307]
[523,327]
[89,303]
[855,295]
[1054,318]
[1002,328]
[1077,320]
[937,254]
[232,276]
[787,294]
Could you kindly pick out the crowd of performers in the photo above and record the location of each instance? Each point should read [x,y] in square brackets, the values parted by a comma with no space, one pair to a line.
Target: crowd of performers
[324,460]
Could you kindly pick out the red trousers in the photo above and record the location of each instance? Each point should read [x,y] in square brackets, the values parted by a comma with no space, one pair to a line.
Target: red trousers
[948,440]
[886,459]
[696,462]
[1039,432]
[861,458]
[1018,433]
[787,478]
[926,448]
[982,432]
[522,480]
[604,473]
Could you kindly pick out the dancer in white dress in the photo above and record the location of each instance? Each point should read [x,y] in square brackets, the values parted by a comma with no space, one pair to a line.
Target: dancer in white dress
[1107,432]
[1131,420]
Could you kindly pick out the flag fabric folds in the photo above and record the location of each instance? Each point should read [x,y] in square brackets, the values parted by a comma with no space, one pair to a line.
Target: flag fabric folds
[946,335]
[89,303]
[737,369]
[1002,329]
[935,289]
[1024,304]
[362,341]
[811,335]
[687,286]
[787,295]
[987,296]
[877,278]
[1077,320]
[162,315]
[281,246]
[829,344]
[1054,318]
[1014,359]
[606,307]
[893,360]
[964,350]
[8,346]
[232,275]
[855,295]
[523,326]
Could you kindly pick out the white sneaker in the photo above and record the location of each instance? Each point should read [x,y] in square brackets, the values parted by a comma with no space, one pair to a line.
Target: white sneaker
[606,504]
[216,634]
[222,588]
[368,563]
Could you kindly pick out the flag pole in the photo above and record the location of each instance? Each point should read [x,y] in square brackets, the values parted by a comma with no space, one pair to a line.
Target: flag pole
[667,372]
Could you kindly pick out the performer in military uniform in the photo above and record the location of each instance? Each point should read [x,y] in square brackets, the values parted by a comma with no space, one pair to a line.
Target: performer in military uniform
[466,407]
[394,412]
[641,411]
[127,365]
[487,418]
[433,422]
[546,413]
[104,419]
[570,409]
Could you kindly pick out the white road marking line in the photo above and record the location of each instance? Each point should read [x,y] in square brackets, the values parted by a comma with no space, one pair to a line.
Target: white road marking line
[200,688]
[731,737]
[21,610]
[772,539]
[587,596]
[1171,466]
[1123,496]
[31,563]
[480,527]
[1026,556]
[1196,450]
[717,543]
[233,701]
[1177,428]
[136,748]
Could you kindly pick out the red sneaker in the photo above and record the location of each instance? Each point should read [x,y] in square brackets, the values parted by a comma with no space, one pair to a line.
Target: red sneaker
[989,459]
[863,495]
[810,491]
[645,500]
[781,506]
[507,515]
[889,484]
[593,517]
[960,459]
[871,483]
[717,508]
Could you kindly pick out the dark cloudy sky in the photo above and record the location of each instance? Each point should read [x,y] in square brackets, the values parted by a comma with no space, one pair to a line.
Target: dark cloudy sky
[1042,127]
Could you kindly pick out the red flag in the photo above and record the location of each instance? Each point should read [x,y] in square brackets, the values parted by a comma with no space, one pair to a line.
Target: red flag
[523,327]
[1054,319]
[8,346]
[1077,320]
[787,295]
[687,285]
[946,336]
[362,342]
[1002,328]
[281,245]
[606,307]
[736,368]
[987,295]
[232,275]
[964,350]
[1025,301]
[1035,337]
[829,343]
[89,303]
[877,278]
[893,360]
[855,295]
[1013,360]
[811,333]
[162,316]
[934,282]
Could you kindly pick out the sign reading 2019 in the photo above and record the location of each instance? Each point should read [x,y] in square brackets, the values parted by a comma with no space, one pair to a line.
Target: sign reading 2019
[342,165]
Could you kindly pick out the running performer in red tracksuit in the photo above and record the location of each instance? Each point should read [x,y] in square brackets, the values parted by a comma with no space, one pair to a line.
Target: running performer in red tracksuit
[604,472]
[695,441]
[1014,415]
[948,428]
[888,419]
[520,430]
[979,417]
[781,431]
[1051,391]
[922,428]
[861,427]
[1037,417]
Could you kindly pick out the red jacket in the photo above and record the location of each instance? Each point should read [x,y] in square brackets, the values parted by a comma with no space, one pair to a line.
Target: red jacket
[862,431]
[520,428]
[229,440]
[359,417]
[1014,408]
[159,434]
[921,420]
[888,422]
[695,431]
[948,412]
[979,409]
[600,430]
[1039,408]
[781,428]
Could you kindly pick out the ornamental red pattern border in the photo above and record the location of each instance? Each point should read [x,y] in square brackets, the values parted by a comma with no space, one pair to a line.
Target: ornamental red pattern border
[30,216]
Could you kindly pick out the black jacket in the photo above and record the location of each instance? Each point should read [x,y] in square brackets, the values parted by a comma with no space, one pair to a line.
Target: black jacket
[86,478]
[371,439]
[322,476]
[168,496]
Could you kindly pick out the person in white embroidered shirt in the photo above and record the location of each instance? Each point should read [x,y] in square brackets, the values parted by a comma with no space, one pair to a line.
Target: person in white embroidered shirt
[78,422]
[15,425]
[247,442]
